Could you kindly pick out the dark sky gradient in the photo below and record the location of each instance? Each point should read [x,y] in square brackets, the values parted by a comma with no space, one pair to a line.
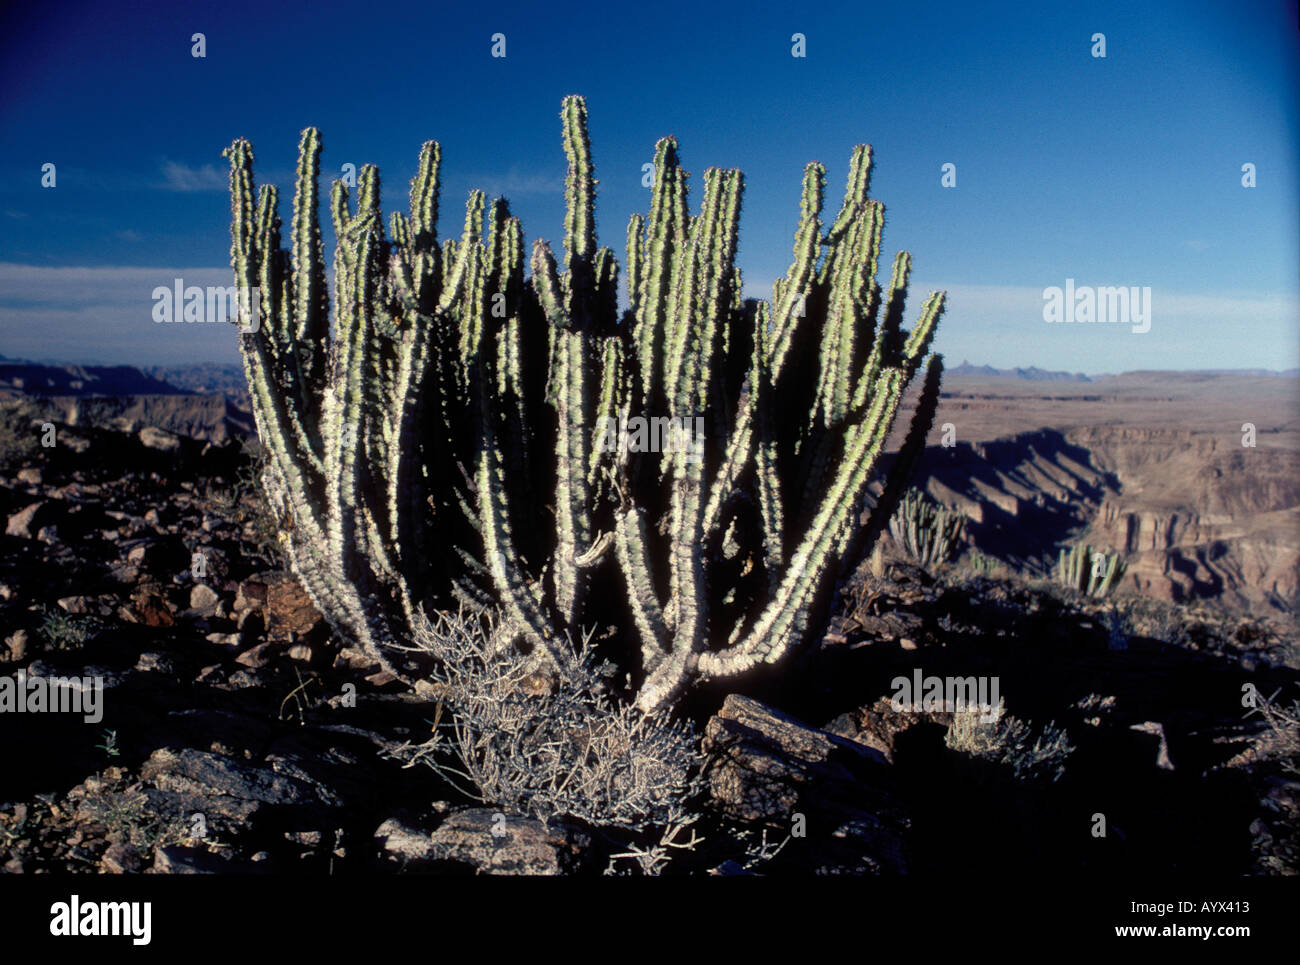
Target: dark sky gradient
[1117,171]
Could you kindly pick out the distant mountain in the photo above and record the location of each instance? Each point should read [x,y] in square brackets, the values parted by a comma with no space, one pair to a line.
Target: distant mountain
[49,378]
[33,378]
[127,399]
[206,377]
[1031,374]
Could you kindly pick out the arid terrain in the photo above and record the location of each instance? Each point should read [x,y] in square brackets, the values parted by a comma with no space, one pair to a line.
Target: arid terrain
[240,734]
[1151,465]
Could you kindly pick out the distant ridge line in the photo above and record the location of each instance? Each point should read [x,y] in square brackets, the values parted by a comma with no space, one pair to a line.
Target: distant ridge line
[1035,374]
[1031,374]
[228,377]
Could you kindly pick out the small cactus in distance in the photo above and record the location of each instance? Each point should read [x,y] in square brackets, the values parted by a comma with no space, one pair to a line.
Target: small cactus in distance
[929,533]
[982,565]
[1092,573]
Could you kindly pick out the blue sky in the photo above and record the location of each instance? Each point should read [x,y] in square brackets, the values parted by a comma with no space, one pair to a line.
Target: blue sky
[1122,171]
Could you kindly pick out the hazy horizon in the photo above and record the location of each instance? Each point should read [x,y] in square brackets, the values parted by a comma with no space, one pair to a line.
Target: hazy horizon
[950,365]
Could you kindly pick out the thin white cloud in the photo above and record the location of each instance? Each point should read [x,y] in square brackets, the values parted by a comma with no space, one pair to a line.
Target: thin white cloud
[1017,300]
[182,177]
[78,287]
[105,315]
[516,182]
[1003,325]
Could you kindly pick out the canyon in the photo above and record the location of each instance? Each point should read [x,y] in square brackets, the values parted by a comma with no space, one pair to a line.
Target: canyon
[1152,465]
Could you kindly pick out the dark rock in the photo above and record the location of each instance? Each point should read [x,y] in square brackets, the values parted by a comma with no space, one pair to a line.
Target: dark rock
[242,680]
[251,593]
[152,610]
[121,859]
[879,725]
[260,655]
[404,847]
[1157,730]
[124,574]
[78,605]
[17,644]
[178,860]
[765,767]
[204,600]
[213,784]
[28,522]
[154,438]
[489,842]
[300,653]
[210,674]
[291,609]
[220,731]
[250,622]
[731,867]
[161,557]
[354,658]
[76,673]
[156,663]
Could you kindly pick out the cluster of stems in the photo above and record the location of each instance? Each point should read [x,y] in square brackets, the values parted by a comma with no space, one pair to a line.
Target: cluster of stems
[438,439]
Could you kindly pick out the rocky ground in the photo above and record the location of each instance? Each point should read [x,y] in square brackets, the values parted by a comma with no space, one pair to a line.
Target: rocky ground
[240,735]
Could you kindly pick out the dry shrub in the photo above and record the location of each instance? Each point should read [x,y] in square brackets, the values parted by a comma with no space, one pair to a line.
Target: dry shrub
[1009,742]
[513,736]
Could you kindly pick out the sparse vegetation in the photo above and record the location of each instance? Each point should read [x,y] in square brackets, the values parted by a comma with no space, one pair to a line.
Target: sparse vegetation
[128,813]
[19,439]
[243,502]
[63,631]
[1098,706]
[301,697]
[1281,743]
[1158,620]
[1009,742]
[1119,627]
[549,745]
